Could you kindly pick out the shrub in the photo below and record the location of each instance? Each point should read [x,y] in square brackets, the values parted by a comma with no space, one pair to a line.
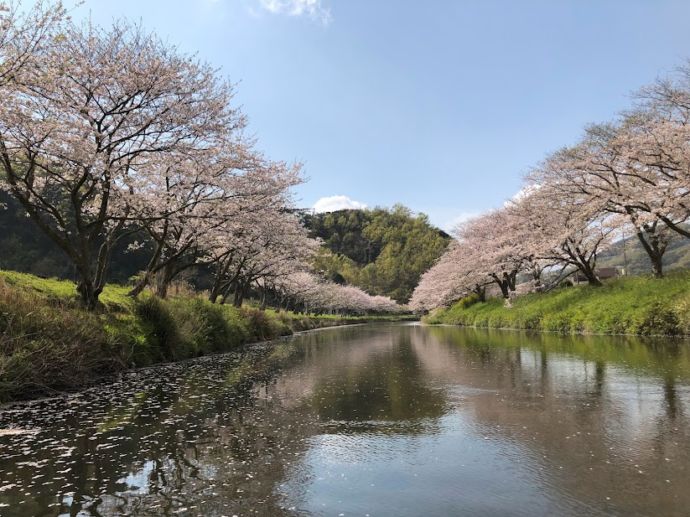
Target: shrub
[264,326]
[208,328]
[468,301]
[162,329]
[659,319]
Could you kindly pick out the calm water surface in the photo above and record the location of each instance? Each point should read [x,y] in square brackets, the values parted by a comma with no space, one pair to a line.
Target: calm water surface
[369,420]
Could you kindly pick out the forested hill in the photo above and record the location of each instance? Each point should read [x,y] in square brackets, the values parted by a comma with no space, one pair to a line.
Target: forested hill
[628,254]
[383,251]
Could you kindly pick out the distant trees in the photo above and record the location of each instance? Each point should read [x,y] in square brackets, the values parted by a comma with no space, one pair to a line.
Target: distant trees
[629,176]
[309,293]
[107,135]
[383,251]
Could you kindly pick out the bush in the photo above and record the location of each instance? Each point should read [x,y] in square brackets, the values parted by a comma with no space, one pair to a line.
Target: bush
[161,328]
[264,325]
[206,328]
[659,319]
[468,301]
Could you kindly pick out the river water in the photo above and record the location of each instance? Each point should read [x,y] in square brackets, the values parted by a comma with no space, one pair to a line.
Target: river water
[382,419]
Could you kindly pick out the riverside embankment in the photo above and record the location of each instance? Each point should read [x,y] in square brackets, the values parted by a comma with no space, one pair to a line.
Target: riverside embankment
[633,305]
[48,343]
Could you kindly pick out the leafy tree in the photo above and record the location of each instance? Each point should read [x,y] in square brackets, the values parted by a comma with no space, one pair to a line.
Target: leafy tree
[383,251]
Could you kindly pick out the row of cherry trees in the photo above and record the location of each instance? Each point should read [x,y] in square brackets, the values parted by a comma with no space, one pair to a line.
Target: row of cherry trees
[630,176]
[110,133]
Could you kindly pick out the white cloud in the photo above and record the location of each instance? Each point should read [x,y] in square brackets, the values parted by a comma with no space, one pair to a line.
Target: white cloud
[449,226]
[333,203]
[314,9]
[521,194]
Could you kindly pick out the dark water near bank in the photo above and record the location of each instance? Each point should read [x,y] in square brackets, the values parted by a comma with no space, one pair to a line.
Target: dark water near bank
[370,420]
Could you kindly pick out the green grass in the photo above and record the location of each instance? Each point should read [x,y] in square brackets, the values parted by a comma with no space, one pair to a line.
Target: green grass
[633,305]
[48,342]
[114,297]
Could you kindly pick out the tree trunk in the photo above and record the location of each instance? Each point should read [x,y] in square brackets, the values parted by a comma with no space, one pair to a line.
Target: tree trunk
[163,279]
[502,283]
[480,292]
[589,274]
[88,293]
[239,294]
[653,241]
[506,283]
[655,252]
[140,285]
[657,267]
[216,291]
[162,289]
[510,278]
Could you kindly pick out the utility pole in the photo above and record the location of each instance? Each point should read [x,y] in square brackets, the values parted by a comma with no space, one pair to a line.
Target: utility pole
[625,257]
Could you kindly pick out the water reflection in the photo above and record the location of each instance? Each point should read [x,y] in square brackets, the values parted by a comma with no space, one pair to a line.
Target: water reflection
[380,419]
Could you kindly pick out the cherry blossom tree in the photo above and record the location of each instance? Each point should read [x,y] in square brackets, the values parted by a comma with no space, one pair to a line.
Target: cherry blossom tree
[307,292]
[25,34]
[272,244]
[97,116]
[599,169]
[629,175]
[561,228]
[210,202]
[453,277]
[655,142]
[492,243]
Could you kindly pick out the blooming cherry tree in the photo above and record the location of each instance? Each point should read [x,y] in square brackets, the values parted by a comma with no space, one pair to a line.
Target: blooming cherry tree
[93,121]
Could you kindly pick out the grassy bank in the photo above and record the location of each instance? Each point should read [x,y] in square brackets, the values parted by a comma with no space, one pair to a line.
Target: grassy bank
[635,305]
[48,343]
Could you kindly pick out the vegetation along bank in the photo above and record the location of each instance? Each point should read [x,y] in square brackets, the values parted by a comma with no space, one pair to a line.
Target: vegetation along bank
[48,341]
[632,305]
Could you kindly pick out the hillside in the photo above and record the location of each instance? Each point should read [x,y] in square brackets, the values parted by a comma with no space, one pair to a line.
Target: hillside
[629,254]
[383,251]
[25,248]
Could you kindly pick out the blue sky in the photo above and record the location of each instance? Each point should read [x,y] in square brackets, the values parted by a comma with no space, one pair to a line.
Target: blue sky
[440,105]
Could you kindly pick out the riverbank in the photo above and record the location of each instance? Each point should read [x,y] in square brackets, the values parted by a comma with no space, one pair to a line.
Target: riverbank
[633,305]
[48,343]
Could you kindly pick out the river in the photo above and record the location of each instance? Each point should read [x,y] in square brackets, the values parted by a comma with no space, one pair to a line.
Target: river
[382,419]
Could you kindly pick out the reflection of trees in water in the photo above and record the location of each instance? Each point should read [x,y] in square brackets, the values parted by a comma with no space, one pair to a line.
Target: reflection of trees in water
[653,356]
[192,441]
[605,414]
[189,437]
[388,385]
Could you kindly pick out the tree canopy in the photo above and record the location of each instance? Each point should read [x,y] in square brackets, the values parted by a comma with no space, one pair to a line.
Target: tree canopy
[383,251]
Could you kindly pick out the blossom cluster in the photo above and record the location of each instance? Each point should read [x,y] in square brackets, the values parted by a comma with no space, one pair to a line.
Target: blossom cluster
[629,177]
[111,133]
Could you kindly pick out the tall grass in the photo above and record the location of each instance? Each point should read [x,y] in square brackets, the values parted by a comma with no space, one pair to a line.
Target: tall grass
[48,343]
[634,305]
